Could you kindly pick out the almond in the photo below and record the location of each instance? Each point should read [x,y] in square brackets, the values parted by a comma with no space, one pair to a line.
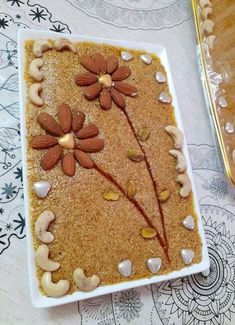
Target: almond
[90,145]
[68,164]
[118,99]
[101,62]
[86,79]
[105,99]
[49,124]
[93,91]
[89,64]
[51,157]
[88,131]
[78,120]
[121,73]
[84,159]
[43,141]
[112,64]
[125,88]
[65,117]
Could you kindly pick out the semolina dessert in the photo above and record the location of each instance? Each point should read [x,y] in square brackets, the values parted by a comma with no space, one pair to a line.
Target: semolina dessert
[110,198]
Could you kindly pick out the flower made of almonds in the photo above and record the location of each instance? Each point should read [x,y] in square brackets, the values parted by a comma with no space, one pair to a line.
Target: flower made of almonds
[68,141]
[105,80]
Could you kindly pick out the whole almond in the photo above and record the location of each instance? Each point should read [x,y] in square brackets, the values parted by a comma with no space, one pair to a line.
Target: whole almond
[43,141]
[112,64]
[86,79]
[68,164]
[49,124]
[78,120]
[105,99]
[118,98]
[88,131]
[131,189]
[51,157]
[65,117]
[101,62]
[91,92]
[121,73]
[90,145]
[84,159]
[135,155]
[125,88]
[89,64]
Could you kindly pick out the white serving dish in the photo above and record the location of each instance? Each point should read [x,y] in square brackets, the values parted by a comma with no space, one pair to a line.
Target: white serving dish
[38,299]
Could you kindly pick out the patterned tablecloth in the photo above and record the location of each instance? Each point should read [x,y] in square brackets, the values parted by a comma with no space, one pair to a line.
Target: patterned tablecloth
[191,300]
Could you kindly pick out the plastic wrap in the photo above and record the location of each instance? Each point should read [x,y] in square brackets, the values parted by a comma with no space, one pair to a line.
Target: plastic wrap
[215,25]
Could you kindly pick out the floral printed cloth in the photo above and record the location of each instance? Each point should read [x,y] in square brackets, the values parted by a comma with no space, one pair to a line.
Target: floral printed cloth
[197,299]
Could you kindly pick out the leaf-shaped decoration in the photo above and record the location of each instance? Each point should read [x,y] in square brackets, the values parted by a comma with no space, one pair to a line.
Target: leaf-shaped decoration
[11,84]
[98,307]
[12,109]
[9,139]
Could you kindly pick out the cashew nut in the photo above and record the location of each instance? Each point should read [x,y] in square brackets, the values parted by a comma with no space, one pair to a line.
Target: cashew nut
[206,11]
[41,226]
[43,261]
[186,188]
[208,25]
[85,283]
[55,290]
[210,41]
[34,71]
[204,3]
[181,161]
[34,97]
[63,44]
[176,134]
[41,46]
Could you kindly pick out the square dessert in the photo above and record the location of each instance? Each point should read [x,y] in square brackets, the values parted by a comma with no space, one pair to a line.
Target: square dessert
[110,197]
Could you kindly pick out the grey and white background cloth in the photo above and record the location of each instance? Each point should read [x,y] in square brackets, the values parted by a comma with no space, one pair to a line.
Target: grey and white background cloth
[196,300]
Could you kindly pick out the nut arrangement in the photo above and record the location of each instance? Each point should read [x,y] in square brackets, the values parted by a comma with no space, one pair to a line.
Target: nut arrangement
[68,137]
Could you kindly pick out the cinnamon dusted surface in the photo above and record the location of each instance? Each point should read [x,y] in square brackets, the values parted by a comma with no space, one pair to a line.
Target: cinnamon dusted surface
[90,232]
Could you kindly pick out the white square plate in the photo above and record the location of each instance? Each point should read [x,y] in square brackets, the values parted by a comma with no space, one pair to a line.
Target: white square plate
[38,299]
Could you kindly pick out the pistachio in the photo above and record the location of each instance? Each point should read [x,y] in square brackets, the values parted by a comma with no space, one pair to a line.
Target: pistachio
[148,233]
[135,155]
[111,195]
[131,189]
[164,196]
[143,134]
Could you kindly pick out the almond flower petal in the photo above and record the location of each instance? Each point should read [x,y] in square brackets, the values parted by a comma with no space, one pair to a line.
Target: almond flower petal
[112,64]
[68,164]
[121,73]
[92,92]
[65,117]
[90,145]
[105,99]
[118,98]
[86,79]
[43,141]
[51,157]
[78,120]
[88,131]
[89,64]
[49,124]
[125,88]
[84,159]
[101,62]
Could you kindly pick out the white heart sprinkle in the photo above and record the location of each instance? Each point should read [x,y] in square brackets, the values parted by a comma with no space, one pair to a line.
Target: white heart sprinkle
[154,264]
[229,128]
[206,272]
[146,58]
[187,255]
[125,267]
[160,77]
[188,222]
[126,56]
[164,98]
[41,188]
[222,102]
